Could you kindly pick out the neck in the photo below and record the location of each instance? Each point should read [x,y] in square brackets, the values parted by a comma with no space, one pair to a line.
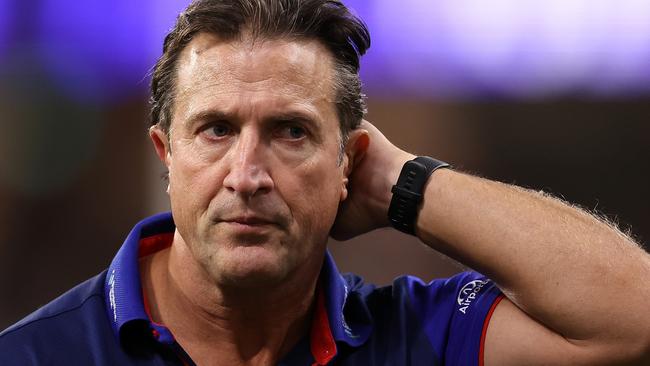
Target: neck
[250,326]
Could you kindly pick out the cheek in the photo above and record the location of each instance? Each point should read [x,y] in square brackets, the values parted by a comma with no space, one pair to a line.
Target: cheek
[193,181]
[316,196]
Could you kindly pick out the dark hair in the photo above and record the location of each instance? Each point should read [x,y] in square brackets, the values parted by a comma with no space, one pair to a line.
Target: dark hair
[327,21]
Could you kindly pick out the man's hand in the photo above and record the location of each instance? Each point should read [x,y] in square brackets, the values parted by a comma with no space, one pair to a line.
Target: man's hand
[375,169]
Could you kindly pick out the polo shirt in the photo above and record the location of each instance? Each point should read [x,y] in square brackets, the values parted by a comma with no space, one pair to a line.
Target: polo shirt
[104,321]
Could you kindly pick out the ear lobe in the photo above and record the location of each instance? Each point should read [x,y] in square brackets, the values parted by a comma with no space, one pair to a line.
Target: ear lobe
[160,143]
[344,190]
[355,149]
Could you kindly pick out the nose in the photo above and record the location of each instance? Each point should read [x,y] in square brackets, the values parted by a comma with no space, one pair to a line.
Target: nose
[248,173]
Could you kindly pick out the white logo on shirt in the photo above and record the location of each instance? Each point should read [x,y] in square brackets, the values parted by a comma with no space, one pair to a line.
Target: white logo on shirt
[111,295]
[346,327]
[468,293]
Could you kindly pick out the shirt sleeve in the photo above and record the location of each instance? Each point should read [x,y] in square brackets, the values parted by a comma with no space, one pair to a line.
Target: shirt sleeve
[454,314]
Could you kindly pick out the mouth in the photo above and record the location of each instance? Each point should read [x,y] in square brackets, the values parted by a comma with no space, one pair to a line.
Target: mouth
[249,224]
[249,221]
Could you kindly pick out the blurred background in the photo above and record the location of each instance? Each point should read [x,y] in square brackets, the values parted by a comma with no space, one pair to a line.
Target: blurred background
[550,94]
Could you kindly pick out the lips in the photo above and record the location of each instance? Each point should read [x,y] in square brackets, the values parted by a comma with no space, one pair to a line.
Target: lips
[249,220]
[250,229]
[264,214]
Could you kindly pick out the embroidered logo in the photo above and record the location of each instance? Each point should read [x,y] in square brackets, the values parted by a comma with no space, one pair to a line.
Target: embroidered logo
[468,293]
[346,327]
[111,295]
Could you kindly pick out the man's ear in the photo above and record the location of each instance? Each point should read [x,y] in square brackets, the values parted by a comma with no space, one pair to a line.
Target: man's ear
[160,141]
[355,149]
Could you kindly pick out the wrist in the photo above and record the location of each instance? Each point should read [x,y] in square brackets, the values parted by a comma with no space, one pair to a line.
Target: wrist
[426,229]
[391,178]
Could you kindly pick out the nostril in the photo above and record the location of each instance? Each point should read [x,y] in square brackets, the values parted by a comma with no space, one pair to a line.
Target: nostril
[248,180]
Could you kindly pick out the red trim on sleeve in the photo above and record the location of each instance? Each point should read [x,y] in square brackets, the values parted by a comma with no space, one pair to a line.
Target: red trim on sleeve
[152,244]
[485,327]
[322,344]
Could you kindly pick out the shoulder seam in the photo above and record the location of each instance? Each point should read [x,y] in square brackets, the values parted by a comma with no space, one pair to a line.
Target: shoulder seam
[51,316]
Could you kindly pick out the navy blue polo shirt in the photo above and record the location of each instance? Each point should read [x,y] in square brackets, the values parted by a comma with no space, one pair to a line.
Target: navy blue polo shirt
[104,321]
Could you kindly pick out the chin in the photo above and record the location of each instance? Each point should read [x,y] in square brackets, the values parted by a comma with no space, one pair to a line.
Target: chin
[248,267]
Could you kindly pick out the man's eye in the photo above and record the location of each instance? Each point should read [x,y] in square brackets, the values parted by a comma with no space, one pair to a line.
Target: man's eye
[293,132]
[219,130]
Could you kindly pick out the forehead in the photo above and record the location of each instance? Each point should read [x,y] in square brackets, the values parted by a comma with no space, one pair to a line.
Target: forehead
[210,68]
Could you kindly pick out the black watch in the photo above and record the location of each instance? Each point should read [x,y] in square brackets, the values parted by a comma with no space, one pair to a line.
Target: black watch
[408,191]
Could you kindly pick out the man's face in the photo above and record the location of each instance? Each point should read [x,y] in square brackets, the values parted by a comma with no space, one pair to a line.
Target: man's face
[253,157]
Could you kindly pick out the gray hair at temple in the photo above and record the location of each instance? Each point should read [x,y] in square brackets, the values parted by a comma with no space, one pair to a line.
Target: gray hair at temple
[327,21]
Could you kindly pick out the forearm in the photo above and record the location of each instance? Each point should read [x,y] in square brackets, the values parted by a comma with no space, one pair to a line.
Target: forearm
[573,273]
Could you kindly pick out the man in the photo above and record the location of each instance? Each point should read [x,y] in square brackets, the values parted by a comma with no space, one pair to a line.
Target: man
[257,114]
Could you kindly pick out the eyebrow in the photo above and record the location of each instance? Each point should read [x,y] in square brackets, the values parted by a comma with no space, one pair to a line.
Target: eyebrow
[218,115]
[206,115]
[294,116]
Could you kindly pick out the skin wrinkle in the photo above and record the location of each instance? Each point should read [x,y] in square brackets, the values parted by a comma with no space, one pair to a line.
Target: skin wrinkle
[303,111]
[243,58]
[226,85]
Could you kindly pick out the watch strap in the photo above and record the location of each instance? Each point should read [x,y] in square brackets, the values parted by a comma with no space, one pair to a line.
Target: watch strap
[408,192]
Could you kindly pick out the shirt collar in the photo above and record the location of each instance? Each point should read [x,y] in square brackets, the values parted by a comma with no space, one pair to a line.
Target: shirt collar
[123,289]
[349,319]
[338,317]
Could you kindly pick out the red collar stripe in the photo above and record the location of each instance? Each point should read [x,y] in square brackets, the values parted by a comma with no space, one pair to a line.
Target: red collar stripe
[152,244]
[323,346]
